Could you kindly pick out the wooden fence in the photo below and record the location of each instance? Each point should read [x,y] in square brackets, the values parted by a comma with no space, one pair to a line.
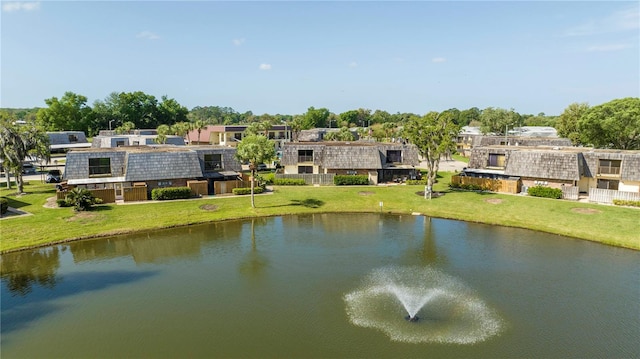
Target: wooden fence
[106,195]
[494,185]
[608,195]
[198,188]
[222,187]
[132,194]
[324,179]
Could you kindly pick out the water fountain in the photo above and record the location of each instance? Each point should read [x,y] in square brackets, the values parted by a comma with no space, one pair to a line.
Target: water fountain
[439,307]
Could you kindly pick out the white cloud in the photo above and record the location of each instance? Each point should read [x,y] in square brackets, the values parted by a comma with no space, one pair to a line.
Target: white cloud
[238,42]
[618,21]
[148,35]
[19,5]
[438,59]
[609,47]
[353,64]
[265,67]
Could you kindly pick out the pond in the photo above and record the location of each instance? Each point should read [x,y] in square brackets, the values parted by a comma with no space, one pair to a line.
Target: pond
[323,286]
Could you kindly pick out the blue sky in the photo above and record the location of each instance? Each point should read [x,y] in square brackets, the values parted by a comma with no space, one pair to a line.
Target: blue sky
[283,57]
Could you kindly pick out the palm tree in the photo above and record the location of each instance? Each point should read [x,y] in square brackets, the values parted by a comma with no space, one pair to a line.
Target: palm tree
[163,131]
[255,149]
[199,125]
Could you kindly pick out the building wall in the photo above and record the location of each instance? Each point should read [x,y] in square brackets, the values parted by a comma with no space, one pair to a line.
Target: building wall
[629,186]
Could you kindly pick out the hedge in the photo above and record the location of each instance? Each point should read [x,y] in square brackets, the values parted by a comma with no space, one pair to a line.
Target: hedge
[247,190]
[350,180]
[546,192]
[268,178]
[4,205]
[623,202]
[166,193]
[468,187]
[289,182]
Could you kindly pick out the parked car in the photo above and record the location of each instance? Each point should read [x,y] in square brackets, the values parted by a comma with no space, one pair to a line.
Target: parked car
[261,167]
[53,176]
[28,169]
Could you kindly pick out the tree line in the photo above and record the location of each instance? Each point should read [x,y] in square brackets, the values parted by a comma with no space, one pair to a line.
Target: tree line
[615,124]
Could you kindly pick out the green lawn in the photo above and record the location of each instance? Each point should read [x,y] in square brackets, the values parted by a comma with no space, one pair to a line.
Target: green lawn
[606,224]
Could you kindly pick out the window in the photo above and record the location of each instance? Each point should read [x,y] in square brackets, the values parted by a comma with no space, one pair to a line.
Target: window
[305,169]
[120,143]
[608,184]
[609,167]
[212,162]
[496,160]
[99,167]
[73,138]
[394,156]
[305,155]
[237,136]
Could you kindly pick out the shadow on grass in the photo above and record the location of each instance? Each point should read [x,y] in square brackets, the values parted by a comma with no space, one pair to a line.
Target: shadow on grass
[309,202]
[14,203]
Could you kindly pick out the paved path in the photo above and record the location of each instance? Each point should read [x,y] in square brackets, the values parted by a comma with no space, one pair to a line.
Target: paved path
[447,166]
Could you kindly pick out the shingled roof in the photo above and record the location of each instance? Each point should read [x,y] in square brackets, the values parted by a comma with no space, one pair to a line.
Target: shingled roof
[348,155]
[544,164]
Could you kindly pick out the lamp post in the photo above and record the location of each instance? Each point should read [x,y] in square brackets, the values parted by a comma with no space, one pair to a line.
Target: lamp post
[110,124]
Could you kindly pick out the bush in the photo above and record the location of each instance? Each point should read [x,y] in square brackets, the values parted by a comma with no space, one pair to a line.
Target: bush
[417,182]
[468,187]
[623,202]
[247,190]
[168,193]
[62,202]
[289,182]
[81,199]
[546,192]
[350,180]
[4,205]
[267,178]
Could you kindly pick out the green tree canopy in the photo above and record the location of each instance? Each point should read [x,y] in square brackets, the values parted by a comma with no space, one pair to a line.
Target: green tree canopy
[435,135]
[315,118]
[615,124]
[567,123]
[69,113]
[498,120]
[255,149]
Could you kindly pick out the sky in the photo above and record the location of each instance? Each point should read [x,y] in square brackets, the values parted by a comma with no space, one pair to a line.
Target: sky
[282,57]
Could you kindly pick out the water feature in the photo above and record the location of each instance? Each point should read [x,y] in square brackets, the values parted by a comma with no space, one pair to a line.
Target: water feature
[323,286]
[442,307]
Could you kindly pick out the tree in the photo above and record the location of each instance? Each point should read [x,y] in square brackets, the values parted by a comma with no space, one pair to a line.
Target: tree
[163,131]
[315,118]
[70,113]
[342,135]
[16,143]
[171,112]
[296,127]
[255,149]
[126,128]
[434,134]
[615,124]
[181,129]
[199,125]
[498,120]
[567,124]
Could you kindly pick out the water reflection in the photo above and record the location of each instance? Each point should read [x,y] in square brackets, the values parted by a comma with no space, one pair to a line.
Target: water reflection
[22,270]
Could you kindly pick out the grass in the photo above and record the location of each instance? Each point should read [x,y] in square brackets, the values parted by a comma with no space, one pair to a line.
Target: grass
[617,226]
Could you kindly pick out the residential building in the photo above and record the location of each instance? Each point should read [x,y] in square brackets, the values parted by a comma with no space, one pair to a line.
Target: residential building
[119,168]
[382,162]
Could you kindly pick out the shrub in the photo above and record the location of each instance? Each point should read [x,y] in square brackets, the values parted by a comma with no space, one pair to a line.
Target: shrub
[247,190]
[623,202]
[289,182]
[350,180]
[62,202]
[4,205]
[468,187]
[267,178]
[81,199]
[416,182]
[168,193]
[546,192]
